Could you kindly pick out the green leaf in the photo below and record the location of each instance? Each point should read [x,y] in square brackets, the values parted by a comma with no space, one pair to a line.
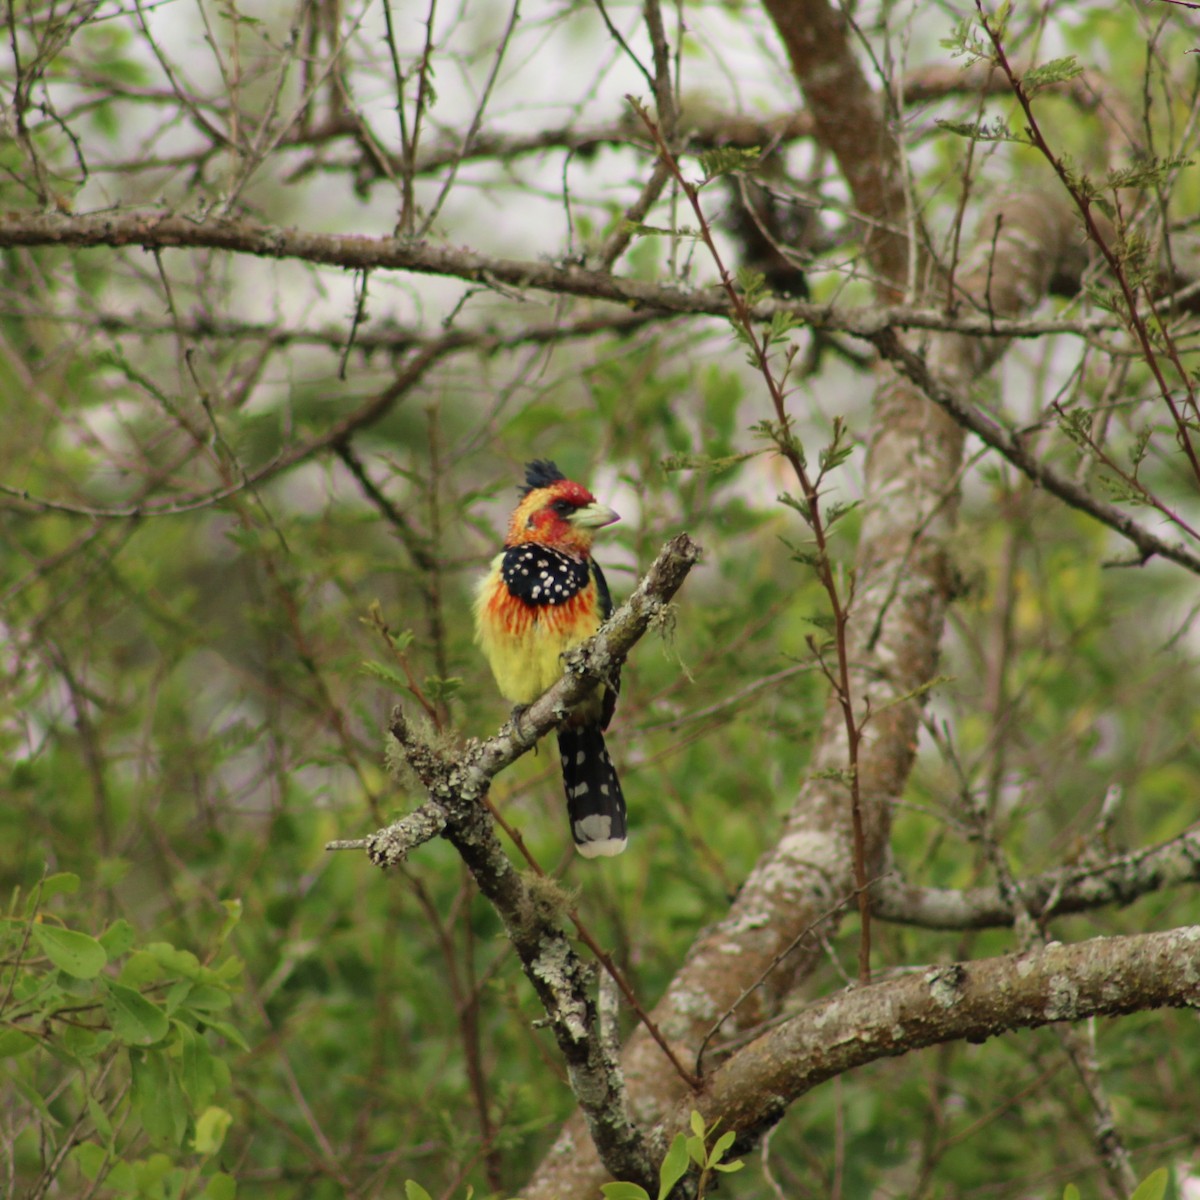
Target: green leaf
[701,462]
[178,962]
[437,688]
[981,131]
[624,1191]
[63,883]
[90,1159]
[752,284]
[1070,1192]
[231,1033]
[220,1187]
[729,1167]
[696,1121]
[724,159]
[1146,173]
[207,999]
[71,951]
[233,914]
[211,1127]
[196,1075]
[782,323]
[695,1149]
[801,506]
[83,1043]
[135,1020]
[13,1042]
[836,511]
[674,1166]
[159,1100]
[1057,70]
[387,674]
[99,1118]
[118,939]
[720,1146]
[414,1191]
[140,967]
[1153,1187]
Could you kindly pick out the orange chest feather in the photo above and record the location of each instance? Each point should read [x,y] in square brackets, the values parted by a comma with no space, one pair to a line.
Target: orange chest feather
[506,614]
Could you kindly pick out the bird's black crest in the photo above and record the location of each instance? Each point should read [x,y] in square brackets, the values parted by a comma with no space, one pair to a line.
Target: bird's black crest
[539,474]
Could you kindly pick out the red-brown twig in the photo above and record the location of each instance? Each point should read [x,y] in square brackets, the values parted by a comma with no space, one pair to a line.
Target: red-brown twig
[791,451]
[602,956]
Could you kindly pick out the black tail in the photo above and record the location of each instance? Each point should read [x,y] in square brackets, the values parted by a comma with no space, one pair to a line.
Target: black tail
[595,803]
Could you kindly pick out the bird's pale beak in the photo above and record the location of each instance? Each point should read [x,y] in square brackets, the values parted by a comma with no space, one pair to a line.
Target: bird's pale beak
[593,516]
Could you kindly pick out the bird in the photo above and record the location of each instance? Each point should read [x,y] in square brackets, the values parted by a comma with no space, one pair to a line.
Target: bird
[545,594]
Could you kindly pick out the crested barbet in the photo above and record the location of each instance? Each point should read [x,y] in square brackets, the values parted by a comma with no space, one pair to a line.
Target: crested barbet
[543,596]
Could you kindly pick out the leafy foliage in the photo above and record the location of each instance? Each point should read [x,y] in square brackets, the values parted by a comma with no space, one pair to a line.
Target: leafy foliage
[225,557]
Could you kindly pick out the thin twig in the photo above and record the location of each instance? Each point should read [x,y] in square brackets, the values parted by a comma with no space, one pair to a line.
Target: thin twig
[789,449]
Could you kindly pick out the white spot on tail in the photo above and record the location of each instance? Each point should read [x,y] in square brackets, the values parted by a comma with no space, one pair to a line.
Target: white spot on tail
[593,837]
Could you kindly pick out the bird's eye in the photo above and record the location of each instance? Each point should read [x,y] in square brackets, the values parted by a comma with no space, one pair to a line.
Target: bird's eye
[563,507]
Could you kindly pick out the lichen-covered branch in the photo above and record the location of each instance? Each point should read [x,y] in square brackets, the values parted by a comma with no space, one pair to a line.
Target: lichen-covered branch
[903,587]
[942,392]
[1081,887]
[970,1001]
[457,786]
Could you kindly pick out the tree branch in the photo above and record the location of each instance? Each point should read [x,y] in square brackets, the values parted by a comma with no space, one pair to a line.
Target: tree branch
[1078,888]
[531,909]
[970,1001]
[1010,445]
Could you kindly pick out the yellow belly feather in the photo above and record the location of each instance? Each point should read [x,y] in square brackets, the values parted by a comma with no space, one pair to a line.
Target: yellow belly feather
[523,644]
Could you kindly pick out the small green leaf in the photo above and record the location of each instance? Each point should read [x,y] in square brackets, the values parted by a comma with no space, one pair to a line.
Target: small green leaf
[196,1075]
[117,939]
[14,1042]
[1153,1187]
[233,914]
[724,159]
[63,883]
[702,462]
[90,1159]
[980,131]
[720,1146]
[140,967]
[1057,70]
[624,1191]
[71,951]
[801,506]
[674,1166]
[414,1191]
[695,1149]
[1147,172]
[159,1101]
[135,1020]
[231,1033]
[752,284]
[697,1123]
[83,1043]
[729,1167]
[438,688]
[99,1118]
[1071,1192]
[206,999]
[386,674]
[220,1187]
[211,1127]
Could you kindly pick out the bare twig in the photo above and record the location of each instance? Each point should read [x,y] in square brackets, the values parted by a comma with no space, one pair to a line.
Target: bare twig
[1128,291]
[789,449]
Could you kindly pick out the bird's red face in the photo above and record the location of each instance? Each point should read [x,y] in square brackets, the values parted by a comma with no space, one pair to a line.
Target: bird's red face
[564,515]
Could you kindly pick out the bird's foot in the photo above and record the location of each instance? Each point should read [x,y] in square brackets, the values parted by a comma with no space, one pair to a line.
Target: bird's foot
[519,710]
